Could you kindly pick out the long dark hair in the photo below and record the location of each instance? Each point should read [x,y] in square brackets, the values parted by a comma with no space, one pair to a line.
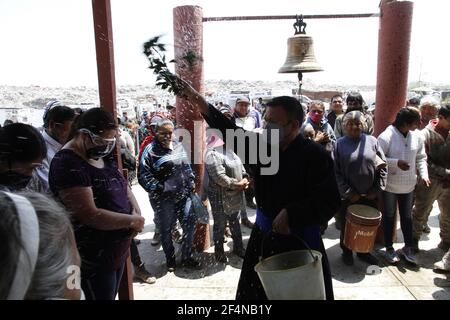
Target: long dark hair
[21,142]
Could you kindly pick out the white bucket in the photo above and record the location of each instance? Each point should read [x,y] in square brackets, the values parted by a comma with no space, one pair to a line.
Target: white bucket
[292,275]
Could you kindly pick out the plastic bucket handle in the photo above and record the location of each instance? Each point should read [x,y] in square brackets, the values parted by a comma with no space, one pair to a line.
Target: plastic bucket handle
[315,258]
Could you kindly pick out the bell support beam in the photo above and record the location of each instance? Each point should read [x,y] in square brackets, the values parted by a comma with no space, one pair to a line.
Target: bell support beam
[104,46]
[394,39]
[291,17]
[188,42]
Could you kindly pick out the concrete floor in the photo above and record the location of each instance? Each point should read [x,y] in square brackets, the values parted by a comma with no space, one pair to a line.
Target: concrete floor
[219,281]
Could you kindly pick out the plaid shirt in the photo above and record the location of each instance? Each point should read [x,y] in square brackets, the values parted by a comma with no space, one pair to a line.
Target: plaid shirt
[225,169]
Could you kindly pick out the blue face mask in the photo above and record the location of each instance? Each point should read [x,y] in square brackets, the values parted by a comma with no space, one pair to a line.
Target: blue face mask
[271,131]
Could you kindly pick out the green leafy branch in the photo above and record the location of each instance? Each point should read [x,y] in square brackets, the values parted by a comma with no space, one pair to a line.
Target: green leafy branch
[154,50]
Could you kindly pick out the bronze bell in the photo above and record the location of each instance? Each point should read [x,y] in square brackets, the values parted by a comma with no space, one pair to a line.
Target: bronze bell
[300,56]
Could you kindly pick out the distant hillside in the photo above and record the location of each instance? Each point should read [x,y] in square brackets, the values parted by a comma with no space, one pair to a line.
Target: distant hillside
[37,96]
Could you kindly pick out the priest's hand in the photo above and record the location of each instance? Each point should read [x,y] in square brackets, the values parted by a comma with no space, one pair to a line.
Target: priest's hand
[281,223]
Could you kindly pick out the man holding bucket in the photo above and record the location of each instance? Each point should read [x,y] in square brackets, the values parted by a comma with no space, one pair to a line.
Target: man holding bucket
[290,202]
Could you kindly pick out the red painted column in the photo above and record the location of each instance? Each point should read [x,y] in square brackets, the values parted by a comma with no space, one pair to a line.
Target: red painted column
[393,60]
[188,40]
[105,54]
[107,90]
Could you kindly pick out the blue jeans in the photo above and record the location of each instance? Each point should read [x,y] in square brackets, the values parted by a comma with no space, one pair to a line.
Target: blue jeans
[405,203]
[155,217]
[103,285]
[167,211]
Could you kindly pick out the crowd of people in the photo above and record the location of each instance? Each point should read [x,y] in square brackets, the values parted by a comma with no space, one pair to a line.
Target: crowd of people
[70,216]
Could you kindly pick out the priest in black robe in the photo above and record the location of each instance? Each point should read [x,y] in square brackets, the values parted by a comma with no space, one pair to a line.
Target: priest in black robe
[294,201]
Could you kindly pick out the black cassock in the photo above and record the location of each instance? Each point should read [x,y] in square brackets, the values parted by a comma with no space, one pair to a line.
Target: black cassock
[305,185]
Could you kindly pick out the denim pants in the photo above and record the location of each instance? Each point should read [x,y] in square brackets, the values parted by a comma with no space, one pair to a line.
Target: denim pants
[167,211]
[134,253]
[156,220]
[405,203]
[220,220]
[102,285]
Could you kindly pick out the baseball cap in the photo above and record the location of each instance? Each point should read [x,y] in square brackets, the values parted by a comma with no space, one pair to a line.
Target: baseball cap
[155,119]
[242,99]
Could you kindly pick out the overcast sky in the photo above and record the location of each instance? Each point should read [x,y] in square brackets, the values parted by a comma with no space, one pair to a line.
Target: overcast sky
[51,42]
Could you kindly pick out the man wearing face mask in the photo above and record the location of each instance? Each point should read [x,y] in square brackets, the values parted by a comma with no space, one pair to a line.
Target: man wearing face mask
[249,119]
[164,172]
[355,102]
[324,134]
[291,202]
[58,120]
[85,178]
[22,149]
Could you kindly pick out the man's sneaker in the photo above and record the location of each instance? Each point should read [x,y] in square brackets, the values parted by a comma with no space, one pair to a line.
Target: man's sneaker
[142,274]
[247,223]
[171,265]
[426,228]
[156,239]
[409,255]
[367,257]
[177,236]
[191,264]
[444,245]
[444,264]
[391,255]
[347,257]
